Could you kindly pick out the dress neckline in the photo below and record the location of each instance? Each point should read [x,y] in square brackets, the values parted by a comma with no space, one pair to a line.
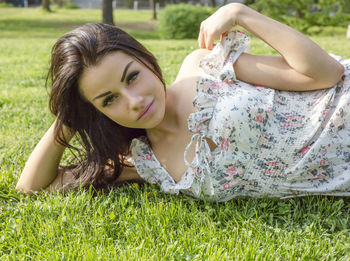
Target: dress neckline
[218,67]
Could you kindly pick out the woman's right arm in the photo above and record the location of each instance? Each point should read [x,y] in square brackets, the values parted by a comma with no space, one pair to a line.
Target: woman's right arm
[42,166]
[42,170]
[301,66]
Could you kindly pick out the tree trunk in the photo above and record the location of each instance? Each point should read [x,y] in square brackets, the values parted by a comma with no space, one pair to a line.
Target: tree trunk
[299,14]
[46,5]
[154,10]
[107,12]
[212,3]
[60,3]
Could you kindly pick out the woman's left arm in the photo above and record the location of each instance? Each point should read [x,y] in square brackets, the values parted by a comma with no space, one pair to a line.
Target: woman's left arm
[302,66]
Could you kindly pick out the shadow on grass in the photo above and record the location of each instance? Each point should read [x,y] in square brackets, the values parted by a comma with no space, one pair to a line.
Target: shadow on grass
[28,28]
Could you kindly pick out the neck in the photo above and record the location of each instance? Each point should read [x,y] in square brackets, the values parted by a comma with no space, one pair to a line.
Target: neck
[170,122]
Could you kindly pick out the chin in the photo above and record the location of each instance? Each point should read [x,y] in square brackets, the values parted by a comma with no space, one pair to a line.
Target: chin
[155,121]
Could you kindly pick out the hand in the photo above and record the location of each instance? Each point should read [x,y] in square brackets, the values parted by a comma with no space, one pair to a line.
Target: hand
[218,24]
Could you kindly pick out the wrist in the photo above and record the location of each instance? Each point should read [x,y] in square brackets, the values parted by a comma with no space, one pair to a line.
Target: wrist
[238,12]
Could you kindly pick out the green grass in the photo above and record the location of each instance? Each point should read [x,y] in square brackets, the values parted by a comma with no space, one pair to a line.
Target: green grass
[137,223]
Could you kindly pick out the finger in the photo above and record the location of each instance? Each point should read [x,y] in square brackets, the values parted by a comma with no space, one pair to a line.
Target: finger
[201,42]
[209,41]
[201,36]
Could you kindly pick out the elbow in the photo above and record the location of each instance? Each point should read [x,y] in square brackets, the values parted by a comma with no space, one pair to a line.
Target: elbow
[336,76]
[23,189]
[341,71]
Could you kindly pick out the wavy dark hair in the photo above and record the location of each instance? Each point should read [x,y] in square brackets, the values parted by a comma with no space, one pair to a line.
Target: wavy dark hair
[104,142]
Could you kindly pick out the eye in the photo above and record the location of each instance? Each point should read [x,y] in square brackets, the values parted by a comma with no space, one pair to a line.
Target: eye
[108,100]
[132,77]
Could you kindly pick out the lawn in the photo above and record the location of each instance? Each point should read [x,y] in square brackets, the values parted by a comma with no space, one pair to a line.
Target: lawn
[137,223]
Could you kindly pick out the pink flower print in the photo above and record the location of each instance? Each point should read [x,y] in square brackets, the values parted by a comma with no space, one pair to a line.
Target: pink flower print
[224,144]
[148,157]
[259,118]
[305,150]
[272,163]
[325,112]
[267,171]
[286,125]
[214,86]
[320,176]
[217,86]
[259,88]
[231,170]
[228,81]
[289,117]
[322,162]
[226,186]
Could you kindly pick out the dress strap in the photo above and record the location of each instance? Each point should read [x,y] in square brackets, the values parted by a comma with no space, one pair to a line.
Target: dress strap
[200,163]
[201,146]
[194,137]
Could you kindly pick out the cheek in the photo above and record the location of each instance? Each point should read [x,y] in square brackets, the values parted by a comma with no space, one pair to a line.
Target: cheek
[114,112]
[150,81]
[162,91]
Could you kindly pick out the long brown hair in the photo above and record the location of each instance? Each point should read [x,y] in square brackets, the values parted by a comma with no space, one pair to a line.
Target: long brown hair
[104,142]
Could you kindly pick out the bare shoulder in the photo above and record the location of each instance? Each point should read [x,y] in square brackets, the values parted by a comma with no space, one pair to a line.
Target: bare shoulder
[190,65]
[184,86]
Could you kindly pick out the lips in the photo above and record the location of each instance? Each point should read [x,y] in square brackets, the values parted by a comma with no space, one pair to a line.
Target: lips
[146,111]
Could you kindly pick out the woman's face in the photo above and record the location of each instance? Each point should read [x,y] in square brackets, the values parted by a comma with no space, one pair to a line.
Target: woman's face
[124,90]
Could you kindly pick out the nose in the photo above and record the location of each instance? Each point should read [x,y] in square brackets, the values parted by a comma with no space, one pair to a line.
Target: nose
[134,99]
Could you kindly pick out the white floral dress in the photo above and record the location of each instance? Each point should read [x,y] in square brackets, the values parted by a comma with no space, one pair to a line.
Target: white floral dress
[270,142]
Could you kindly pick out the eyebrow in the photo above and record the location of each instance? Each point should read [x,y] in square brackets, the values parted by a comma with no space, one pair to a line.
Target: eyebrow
[125,71]
[101,95]
[121,80]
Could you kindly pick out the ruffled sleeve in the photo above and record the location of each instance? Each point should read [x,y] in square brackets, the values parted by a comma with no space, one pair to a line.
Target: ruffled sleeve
[219,65]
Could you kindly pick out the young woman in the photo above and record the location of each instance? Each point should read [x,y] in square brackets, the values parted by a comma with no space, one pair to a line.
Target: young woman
[232,124]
